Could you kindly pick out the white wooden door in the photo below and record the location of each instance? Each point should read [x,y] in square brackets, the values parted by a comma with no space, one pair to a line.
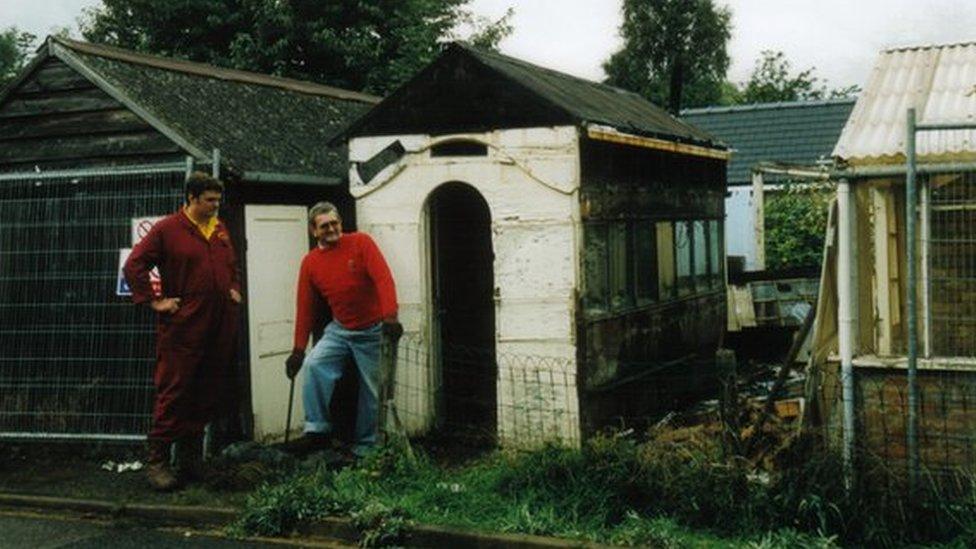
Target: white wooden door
[277,239]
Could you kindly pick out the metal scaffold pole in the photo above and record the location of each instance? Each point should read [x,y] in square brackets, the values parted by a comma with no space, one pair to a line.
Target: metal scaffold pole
[845,328]
[911,217]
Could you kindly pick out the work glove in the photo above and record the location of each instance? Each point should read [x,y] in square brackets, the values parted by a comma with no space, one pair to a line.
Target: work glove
[294,363]
[392,329]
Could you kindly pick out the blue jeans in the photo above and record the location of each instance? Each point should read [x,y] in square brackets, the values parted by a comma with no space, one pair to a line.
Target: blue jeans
[323,367]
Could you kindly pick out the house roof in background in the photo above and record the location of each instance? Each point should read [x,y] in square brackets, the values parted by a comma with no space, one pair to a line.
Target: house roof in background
[797,133]
[939,81]
[260,123]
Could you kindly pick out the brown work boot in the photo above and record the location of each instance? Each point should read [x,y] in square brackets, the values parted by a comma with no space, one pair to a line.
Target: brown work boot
[158,471]
[189,458]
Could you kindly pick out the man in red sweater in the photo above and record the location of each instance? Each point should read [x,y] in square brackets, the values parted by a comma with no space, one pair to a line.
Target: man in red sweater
[347,272]
[196,324]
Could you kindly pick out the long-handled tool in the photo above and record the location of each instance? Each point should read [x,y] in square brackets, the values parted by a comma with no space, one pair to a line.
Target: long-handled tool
[387,410]
[291,401]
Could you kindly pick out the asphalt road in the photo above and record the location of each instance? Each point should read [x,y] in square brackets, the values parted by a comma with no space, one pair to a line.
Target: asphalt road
[27,530]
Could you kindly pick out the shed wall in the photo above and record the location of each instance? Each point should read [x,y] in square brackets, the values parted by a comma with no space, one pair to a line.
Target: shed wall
[529,179]
[56,118]
[652,317]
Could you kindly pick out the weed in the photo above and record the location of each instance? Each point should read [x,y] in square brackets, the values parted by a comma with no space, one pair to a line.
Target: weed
[379,525]
[791,539]
[619,491]
[276,509]
[657,532]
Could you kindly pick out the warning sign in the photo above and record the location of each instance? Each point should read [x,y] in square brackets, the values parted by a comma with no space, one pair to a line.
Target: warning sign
[122,287]
[140,228]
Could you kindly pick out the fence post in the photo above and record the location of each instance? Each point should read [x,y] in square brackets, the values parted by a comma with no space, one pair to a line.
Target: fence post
[845,323]
[389,342]
[911,214]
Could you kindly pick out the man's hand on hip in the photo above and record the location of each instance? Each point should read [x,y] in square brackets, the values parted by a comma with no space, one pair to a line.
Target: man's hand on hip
[236,296]
[294,363]
[392,328]
[168,305]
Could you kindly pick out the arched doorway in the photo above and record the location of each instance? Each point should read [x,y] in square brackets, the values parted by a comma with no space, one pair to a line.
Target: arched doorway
[463,307]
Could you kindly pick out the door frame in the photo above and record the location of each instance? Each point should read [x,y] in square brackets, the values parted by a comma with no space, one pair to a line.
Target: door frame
[429,270]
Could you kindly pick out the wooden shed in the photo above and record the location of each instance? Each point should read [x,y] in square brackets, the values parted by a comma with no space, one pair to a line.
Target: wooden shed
[95,141]
[863,317]
[538,218]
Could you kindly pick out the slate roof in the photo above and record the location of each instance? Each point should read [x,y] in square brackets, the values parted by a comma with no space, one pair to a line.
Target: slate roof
[260,123]
[575,100]
[798,133]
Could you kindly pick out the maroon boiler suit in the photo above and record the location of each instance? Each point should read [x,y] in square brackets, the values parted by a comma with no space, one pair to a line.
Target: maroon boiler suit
[195,345]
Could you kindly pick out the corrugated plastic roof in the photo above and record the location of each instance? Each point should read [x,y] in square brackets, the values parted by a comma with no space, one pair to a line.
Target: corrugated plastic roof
[939,81]
[260,123]
[798,133]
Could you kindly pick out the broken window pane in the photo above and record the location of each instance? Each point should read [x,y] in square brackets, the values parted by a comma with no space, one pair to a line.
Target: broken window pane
[620,286]
[665,259]
[700,245]
[645,262]
[596,279]
[682,256]
[716,250]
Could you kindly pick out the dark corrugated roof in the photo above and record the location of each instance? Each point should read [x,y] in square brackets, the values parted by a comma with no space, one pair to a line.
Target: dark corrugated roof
[557,98]
[593,102]
[799,133]
[260,123]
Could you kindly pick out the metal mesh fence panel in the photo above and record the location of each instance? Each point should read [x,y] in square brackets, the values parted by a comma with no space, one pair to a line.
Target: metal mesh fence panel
[952,264]
[76,360]
[486,397]
[480,397]
[947,428]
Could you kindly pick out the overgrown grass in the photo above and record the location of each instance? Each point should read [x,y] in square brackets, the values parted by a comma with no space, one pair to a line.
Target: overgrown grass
[675,490]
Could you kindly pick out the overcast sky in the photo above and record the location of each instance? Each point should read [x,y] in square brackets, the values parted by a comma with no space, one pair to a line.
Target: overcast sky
[839,37]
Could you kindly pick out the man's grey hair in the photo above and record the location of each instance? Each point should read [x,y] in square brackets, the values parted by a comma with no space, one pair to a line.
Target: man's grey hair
[322,208]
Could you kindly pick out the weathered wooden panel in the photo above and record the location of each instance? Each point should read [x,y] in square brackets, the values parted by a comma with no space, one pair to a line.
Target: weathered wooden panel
[53,75]
[85,146]
[651,335]
[98,122]
[630,181]
[59,102]
[650,361]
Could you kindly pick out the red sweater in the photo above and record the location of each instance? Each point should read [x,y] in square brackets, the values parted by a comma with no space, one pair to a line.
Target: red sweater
[353,278]
[189,265]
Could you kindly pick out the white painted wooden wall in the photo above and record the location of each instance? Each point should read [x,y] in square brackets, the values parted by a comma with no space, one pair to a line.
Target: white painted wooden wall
[530,180]
[277,240]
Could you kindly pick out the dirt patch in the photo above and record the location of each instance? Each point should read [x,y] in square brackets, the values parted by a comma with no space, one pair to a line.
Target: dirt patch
[74,471]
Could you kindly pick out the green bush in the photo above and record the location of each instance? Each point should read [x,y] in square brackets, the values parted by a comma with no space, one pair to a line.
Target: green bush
[795,224]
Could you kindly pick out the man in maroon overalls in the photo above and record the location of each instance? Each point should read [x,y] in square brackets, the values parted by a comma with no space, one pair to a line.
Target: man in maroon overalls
[196,328]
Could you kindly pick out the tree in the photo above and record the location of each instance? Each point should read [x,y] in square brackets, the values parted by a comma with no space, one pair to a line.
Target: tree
[796,221]
[367,45]
[16,47]
[773,80]
[674,52]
